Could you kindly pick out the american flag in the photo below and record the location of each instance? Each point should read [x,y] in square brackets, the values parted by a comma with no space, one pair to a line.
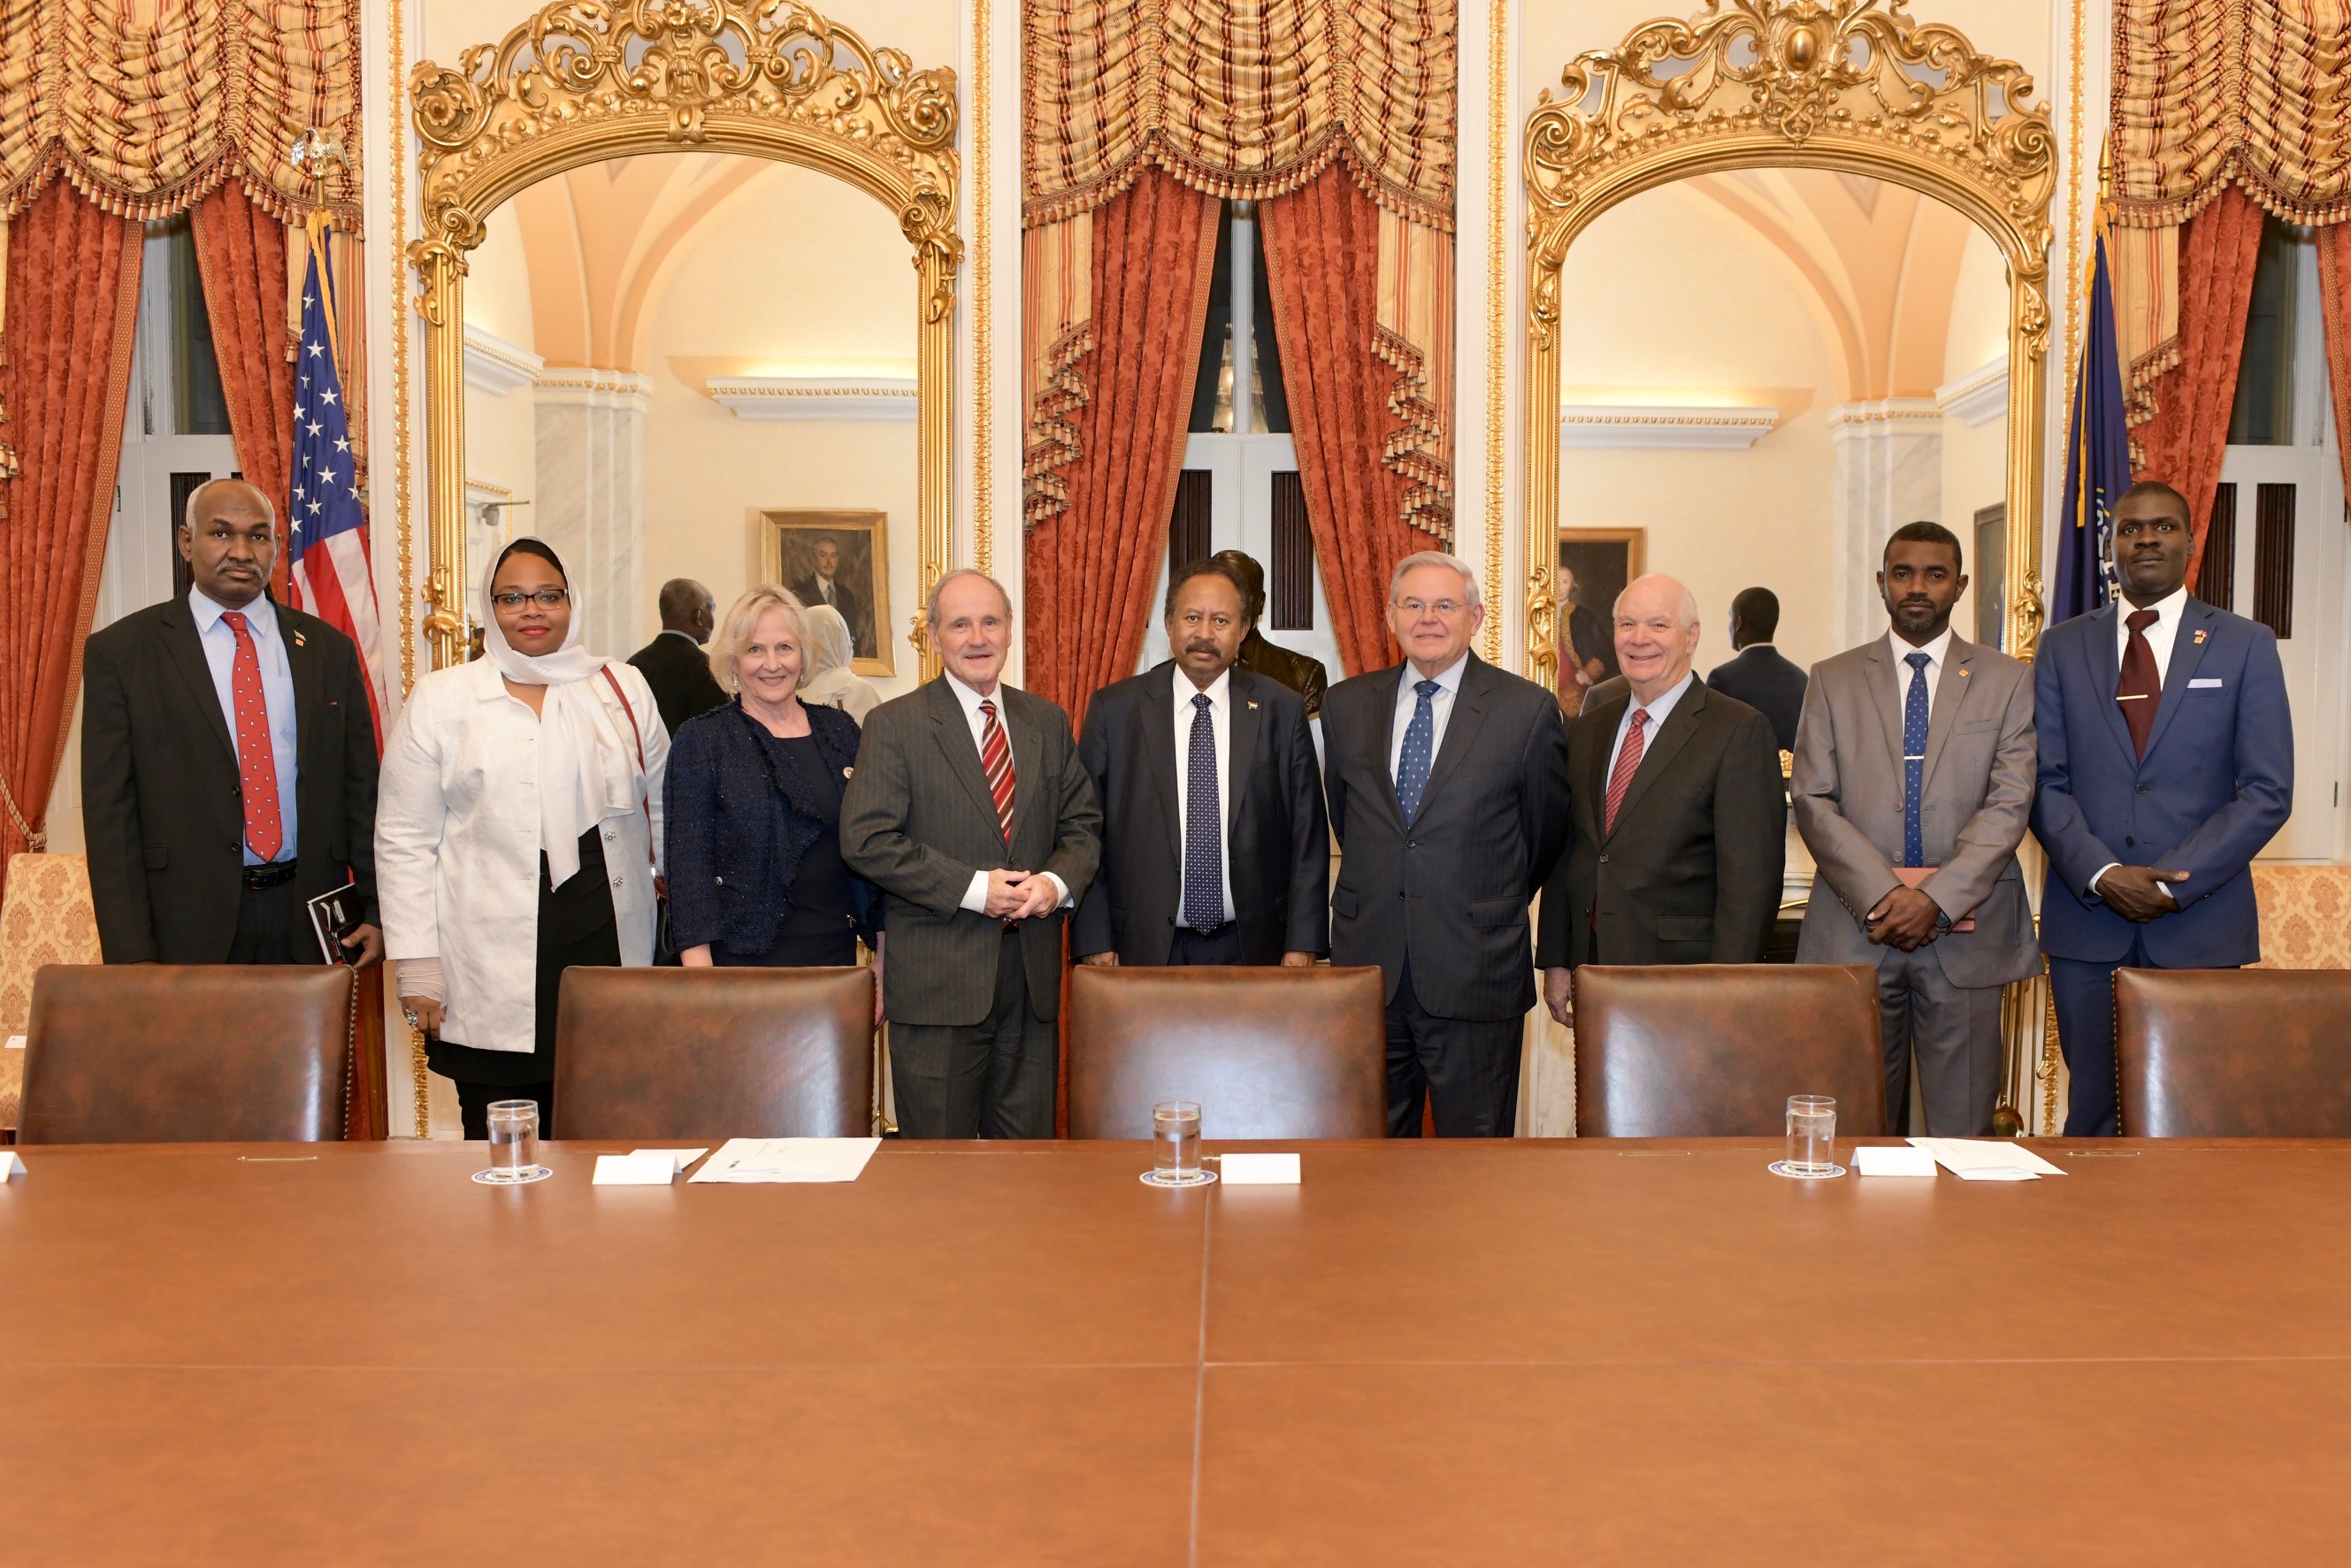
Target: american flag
[329,535]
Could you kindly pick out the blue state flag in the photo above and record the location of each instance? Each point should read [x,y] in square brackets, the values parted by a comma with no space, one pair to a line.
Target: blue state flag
[2097,455]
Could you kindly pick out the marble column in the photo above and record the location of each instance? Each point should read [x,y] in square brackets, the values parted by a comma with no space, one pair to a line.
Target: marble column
[592,496]
[1889,472]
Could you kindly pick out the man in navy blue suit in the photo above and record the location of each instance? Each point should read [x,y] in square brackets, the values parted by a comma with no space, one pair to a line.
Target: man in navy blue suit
[2167,763]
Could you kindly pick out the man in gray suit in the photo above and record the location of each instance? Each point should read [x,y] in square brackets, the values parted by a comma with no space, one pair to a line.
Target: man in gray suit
[968,806]
[1913,786]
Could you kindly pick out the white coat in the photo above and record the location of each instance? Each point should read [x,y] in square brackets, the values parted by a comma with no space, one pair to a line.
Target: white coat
[457,844]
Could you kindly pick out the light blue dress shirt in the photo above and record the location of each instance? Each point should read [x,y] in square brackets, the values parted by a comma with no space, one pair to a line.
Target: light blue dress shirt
[276,692]
[1440,710]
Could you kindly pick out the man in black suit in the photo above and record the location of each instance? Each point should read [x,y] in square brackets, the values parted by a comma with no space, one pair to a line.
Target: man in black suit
[1447,781]
[823,585]
[1681,821]
[228,761]
[1761,676]
[675,664]
[1214,848]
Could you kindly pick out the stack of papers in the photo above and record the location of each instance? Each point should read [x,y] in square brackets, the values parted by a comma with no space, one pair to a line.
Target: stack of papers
[787,1159]
[643,1167]
[1987,1160]
[1892,1160]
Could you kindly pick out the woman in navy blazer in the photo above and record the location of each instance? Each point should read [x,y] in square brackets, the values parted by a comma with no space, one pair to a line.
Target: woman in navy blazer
[753,807]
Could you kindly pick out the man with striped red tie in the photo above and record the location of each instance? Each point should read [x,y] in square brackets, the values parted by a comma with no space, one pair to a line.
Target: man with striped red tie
[970,810]
[1680,818]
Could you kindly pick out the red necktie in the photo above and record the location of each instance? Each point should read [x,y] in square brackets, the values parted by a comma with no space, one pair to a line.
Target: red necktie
[2141,687]
[996,761]
[1629,762]
[257,764]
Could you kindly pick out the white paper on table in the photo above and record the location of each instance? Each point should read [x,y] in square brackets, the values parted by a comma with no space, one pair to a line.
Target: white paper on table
[15,1042]
[1987,1160]
[654,1168]
[787,1159]
[679,1158]
[1892,1160]
[10,1165]
[1258,1170]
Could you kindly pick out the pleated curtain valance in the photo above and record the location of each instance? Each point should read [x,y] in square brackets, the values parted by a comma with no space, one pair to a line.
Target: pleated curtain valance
[145,106]
[1241,98]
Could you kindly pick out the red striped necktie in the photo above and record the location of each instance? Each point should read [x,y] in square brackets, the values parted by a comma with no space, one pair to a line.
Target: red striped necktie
[1629,762]
[996,761]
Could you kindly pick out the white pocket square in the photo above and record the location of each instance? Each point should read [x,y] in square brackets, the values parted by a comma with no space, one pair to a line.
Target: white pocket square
[2204,685]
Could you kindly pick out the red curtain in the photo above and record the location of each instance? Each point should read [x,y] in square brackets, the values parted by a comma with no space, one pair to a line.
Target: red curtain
[1089,571]
[72,301]
[2185,442]
[2335,300]
[241,252]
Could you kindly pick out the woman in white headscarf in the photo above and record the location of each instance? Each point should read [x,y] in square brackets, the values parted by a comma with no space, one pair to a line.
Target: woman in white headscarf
[833,684]
[519,798]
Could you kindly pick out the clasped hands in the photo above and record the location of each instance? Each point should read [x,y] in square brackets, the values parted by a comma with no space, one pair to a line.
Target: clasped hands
[2136,892]
[1020,895]
[1905,920]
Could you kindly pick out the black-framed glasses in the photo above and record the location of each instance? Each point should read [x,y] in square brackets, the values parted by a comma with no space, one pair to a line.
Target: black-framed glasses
[515,598]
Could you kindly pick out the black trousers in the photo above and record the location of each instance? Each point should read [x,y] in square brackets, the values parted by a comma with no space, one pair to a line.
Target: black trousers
[1466,1068]
[474,1102]
[1222,945]
[265,922]
[991,1080]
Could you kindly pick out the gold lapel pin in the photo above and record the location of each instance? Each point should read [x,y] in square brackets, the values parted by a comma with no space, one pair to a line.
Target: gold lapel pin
[299,644]
[2200,637]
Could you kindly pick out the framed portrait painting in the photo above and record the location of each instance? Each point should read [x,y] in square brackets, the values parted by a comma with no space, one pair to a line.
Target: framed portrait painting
[1594,565]
[836,558]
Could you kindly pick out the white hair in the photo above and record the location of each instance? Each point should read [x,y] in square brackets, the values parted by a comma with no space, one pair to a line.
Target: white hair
[227,482]
[1688,615]
[1470,590]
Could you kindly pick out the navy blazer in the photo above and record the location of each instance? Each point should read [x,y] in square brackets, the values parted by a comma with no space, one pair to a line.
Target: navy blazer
[2216,785]
[729,877]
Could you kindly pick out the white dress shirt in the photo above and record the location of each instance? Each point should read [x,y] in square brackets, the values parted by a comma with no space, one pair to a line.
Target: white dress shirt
[1658,708]
[1440,709]
[1220,693]
[2160,639]
[277,692]
[974,897]
[1938,653]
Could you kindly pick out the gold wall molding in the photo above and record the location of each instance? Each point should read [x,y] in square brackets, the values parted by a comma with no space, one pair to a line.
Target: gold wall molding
[584,81]
[1497,296]
[983,286]
[1851,86]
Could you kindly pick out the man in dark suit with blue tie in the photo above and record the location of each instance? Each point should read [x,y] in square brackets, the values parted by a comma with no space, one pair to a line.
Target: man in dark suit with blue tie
[2167,763]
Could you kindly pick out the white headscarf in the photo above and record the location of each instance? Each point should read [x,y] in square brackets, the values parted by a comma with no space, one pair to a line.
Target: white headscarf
[587,769]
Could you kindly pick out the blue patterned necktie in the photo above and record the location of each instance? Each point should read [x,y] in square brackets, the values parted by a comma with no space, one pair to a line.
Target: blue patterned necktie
[1204,860]
[1419,741]
[1914,758]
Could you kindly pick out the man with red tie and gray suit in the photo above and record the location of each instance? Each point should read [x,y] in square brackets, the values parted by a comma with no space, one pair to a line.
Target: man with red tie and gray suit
[2167,763]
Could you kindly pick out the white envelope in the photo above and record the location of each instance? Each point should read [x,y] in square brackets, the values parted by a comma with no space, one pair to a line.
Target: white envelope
[651,1168]
[1892,1160]
[679,1158]
[1259,1170]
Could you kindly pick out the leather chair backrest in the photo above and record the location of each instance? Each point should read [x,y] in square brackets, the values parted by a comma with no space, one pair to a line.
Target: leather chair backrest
[715,1053]
[2234,1053]
[1267,1053]
[1713,1050]
[171,1053]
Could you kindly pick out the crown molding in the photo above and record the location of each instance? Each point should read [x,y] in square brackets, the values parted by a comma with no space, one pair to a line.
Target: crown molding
[497,366]
[872,399]
[1668,426]
[1979,397]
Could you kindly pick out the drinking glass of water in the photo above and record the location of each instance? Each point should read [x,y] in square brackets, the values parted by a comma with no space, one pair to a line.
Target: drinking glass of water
[1176,1146]
[1811,1138]
[514,1143]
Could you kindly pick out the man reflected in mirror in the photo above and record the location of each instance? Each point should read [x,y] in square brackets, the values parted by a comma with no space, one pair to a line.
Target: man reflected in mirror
[1758,675]
[674,663]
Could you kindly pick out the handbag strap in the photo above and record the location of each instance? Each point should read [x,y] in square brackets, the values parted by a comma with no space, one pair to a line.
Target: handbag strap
[643,800]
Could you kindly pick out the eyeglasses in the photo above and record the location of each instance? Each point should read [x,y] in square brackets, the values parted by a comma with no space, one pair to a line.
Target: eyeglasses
[515,598]
[1444,609]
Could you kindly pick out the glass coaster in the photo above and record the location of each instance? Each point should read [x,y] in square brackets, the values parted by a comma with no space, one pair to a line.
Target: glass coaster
[1782,1167]
[1198,1178]
[500,1178]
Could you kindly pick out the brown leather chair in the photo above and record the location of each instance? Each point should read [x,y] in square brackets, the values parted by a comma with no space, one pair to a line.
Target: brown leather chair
[170,1053]
[1713,1050]
[715,1053]
[2234,1053]
[1267,1053]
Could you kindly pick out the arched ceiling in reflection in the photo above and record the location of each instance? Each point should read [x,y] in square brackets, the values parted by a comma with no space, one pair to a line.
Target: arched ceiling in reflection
[1879,265]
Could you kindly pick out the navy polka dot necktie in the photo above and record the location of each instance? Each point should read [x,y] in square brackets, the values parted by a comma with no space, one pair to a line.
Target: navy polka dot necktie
[1419,743]
[1914,758]
[1204,860]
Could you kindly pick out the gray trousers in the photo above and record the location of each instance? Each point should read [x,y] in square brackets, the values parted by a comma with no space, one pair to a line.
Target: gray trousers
[1954,1031]
[994,1078]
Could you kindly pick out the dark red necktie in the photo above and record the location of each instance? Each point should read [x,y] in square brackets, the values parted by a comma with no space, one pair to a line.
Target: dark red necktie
[996,761]
[256,763]
[1629,762]
[2141,687]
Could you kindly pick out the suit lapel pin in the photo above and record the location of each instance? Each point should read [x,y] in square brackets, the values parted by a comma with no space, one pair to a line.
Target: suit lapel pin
[1253,708]
[299,644]
[2200,637]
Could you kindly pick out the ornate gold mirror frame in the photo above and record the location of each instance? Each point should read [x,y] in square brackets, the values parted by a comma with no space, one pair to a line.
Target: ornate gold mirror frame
[586,80]
[1853,85]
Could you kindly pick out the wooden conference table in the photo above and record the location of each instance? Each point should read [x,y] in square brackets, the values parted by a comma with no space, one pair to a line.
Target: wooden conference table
[1427,1353]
